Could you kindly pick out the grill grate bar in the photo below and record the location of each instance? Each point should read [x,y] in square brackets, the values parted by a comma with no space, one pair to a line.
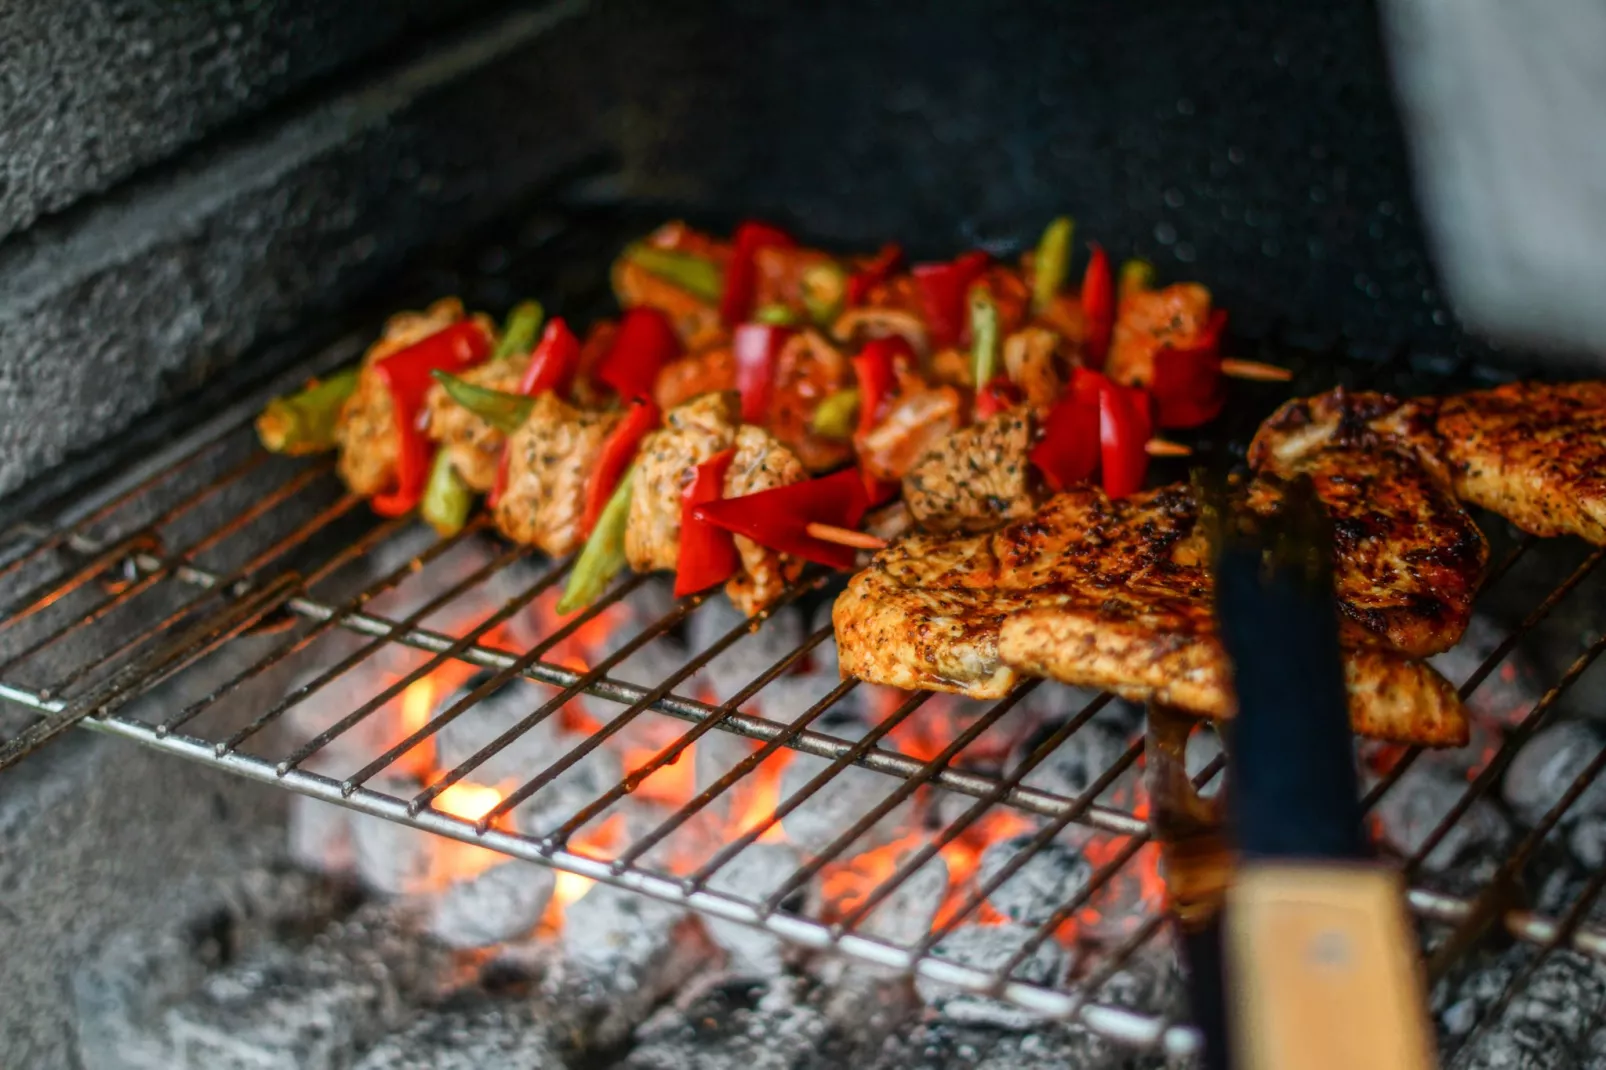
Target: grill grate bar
[833,851]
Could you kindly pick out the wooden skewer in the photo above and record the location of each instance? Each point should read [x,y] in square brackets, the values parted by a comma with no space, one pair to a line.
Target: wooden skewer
[1164,447]
[859,540]
[1259,371]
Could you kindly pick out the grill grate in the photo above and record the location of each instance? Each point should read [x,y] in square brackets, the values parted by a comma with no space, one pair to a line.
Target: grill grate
[132,584]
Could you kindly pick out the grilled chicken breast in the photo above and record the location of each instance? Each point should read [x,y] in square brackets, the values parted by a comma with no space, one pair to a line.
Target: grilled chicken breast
[1094,592]
[474,446]
[760,463]
[549,460]
[1533,452]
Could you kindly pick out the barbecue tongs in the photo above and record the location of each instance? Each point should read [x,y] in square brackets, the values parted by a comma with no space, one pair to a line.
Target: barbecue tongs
[1297,945]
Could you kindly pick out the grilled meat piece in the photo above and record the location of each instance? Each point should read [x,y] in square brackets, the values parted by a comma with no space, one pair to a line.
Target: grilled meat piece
[1533,452]
[692,433]
[1150,320]
[1031,361]
[549,460]
[1407,558]
[696,321]
[967,614]
[760,463]
[366,430]
[975,478]
[706,372]
[919,418]
[808,370]
[474,446]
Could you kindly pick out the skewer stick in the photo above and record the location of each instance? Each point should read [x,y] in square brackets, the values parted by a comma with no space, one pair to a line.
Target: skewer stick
[1164,447]
[1259,371]
[859,540]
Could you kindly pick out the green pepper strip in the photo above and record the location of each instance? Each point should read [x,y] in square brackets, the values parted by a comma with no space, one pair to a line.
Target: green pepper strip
[775,315]
[696,275]
[305,422]
[518,333]
[503,411]
[838,414]
[825,291]
[1136,276]
[1051,263]
[983,336]
[603,555]
[447,499]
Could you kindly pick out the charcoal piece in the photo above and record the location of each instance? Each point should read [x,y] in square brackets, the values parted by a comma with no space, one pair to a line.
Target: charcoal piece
[1550,1018]
[739,1025]
[839,803]
[906,914]
[988,947]
[391,858]
[571,791]
[1588,841]
[1052,876]
[501,903]
[945,1045]
[1506,695]
[746,658]
[1410,811]
[480,1037]
[622,953]
[718,753]
[752,876]
[310,1008]
[646,667]
[1546,766]
[1073,767]
[494,714]
[320,835]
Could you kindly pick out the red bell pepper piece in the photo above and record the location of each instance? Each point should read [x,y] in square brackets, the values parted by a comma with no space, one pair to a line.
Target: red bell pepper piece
[1068,451]
[407,376]
[944,292]
[1125,424]
[1098,306]
[618,451]
[553,362]
[999,394]
[776,518]
[756,348]
[876,367]
[741,274]
[873,274]
[707,553]
[645,342]
[1187,384]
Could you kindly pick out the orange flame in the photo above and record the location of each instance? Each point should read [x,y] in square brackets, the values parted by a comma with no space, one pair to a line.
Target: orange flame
[600,843]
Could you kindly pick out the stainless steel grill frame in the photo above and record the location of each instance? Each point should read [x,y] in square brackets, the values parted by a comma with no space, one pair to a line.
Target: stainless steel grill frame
[114,539]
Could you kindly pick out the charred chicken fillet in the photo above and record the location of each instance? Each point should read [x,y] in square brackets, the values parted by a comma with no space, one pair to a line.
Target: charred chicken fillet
[1100,593]
[1533,452]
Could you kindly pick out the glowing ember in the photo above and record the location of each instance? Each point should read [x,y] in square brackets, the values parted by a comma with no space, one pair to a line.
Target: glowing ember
[762,797]
[468,800]
[672,784]
[601,843]
[417,705]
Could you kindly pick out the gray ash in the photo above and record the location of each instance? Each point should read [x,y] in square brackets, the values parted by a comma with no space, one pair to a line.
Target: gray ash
[489,908]
[1053,874]
[988,947]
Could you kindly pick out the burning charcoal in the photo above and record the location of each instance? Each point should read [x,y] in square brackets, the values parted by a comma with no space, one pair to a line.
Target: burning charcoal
[1077,762]
[1547,765]
[573,789]
[1588,841]
[503,902]
[393,859]
[905,916]
[749,656]
[622,952]
[481,1037]
[1547,1021]
[838,804]
[313,1008]
[1047,1046]
[1508,693]
[320,835]
[988,947]
[1053,874]
[751,876]
[740,1025]
[529,753]
[1411,809]
[645,667]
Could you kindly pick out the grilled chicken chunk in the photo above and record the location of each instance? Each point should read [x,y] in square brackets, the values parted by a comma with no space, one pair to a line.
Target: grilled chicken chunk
[1150,320]
[549,460]
[1031,362]
[1089,591]
[1533,452]
[696,373]
[808,370]
[366,430]
[474,446]
[692,433]
[760,463]
[975,478]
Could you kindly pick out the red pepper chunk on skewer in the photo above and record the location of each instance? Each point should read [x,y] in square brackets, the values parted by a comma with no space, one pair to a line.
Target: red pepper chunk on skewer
[1068,451]
[778,518]
[741,275]
[944,289]
[407,376]
[707,553]
[1098,306]
[553,363]
[1187,384]
[756,349]
[617,454]
[873,274]
[644,343]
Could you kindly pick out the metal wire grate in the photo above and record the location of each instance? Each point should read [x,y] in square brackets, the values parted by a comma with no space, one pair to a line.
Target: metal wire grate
[213,541]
